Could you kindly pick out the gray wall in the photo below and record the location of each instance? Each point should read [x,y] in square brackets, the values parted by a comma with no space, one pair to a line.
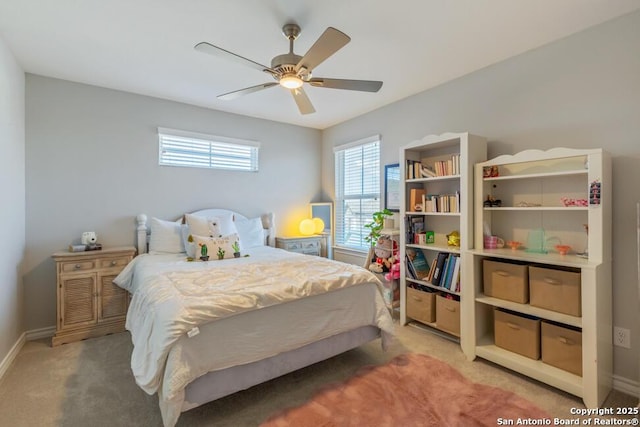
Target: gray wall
[12,196]
[92,165]
[580,92]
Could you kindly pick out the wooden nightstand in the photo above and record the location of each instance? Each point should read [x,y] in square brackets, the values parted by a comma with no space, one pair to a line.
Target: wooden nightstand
[308,245]
[89,303]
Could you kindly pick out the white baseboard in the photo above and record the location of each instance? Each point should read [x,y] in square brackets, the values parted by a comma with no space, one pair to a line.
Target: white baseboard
[36,334]
[626,385]
[9,358]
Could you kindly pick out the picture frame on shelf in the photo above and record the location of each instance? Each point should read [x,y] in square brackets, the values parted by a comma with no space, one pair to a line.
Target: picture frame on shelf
[324,211]
[392,187]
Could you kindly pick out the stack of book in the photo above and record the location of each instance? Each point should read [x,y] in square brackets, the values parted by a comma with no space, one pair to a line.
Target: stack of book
[444,270]
[416,169]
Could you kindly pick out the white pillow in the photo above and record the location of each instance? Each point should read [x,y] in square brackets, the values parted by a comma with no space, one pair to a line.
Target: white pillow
[189,247]
[214,245]
[221,225]
[166,237]
[251,233]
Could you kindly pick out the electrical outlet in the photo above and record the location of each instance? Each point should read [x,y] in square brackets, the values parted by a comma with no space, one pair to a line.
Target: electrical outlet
[621,337]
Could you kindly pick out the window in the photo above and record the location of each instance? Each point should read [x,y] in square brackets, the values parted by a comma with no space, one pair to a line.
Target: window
[181,148]
[357,168]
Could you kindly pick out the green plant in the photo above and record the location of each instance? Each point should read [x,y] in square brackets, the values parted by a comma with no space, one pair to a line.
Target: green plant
[220,253]
[376,225]
[236,246]
[203,250]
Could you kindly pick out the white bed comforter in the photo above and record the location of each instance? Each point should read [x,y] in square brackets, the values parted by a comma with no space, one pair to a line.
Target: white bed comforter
[171,297]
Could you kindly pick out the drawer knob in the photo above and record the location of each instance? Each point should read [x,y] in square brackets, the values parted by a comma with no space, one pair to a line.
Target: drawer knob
[114,262]
[77,266]
[551,281]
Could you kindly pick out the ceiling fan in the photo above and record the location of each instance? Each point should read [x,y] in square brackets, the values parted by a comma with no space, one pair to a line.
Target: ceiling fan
[291,71]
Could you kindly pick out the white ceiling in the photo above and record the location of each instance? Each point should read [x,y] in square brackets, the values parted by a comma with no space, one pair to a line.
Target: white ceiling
[146,46]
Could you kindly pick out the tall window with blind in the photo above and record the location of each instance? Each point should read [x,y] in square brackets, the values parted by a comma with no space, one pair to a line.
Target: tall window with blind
[182,148]
[357,167]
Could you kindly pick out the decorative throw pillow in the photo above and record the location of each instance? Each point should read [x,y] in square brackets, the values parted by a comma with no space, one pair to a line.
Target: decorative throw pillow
[251,233]
[217,247]
[165,237]
[221,225]
[202,226]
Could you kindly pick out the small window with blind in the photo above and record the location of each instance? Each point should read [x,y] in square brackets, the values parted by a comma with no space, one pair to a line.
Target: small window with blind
[357,167]
[190,149]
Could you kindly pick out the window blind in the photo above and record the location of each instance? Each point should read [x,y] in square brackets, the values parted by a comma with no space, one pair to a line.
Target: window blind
[181,148]
[357,181]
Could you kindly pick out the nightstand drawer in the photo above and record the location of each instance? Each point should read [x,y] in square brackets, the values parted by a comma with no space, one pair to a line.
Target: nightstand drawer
[114,262]
[302,245]
[293,246]
[71,266]
[314,246]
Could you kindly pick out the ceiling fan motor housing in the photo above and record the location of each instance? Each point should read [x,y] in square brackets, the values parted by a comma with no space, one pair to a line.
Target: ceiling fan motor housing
[286,65]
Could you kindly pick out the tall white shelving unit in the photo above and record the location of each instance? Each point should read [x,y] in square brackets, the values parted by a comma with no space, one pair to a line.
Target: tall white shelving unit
[428,150]
[531,185]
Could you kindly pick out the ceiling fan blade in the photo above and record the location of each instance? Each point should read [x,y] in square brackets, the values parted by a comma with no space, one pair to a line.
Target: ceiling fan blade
[361,85]
[301,98]
[223,53]
[238,93]
[327,44]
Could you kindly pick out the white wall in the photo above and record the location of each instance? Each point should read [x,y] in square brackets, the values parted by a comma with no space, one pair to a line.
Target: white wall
[12,199]
[92,165]
[580,92]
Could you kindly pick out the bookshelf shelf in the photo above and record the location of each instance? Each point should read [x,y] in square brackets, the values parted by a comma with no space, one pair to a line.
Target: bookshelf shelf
[545,180]
[429,285]
[434,213]
[441,204]
[532,368]
[434,247]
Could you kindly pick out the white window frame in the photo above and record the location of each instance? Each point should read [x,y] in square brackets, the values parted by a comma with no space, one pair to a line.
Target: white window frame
[368,196]
[199,150]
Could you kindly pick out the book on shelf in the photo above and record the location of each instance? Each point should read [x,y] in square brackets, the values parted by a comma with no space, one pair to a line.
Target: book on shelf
[455,286]
[452,271]
[415,198]
[410,270]
[446,269]
[427,172]
[432,268]
[437,273]
[420,263]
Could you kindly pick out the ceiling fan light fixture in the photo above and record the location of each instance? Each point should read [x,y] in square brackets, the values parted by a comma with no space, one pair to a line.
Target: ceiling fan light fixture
[291,82]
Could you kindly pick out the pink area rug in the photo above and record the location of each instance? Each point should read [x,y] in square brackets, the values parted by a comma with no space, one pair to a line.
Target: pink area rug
[409,390]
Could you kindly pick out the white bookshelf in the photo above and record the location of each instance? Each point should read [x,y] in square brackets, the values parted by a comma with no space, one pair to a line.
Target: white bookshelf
[539,180]
[468,150]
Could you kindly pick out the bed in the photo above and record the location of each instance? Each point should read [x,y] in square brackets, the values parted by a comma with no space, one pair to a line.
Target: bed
[204,330]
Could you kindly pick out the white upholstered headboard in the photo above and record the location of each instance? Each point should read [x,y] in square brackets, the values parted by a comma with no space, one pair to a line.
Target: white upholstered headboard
[268,224]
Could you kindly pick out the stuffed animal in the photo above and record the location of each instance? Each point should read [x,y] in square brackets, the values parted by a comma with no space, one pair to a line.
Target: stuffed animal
[394,271]
[385,247]
[375,267]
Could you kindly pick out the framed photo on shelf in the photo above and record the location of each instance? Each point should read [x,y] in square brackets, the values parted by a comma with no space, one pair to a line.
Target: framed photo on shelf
[392,187]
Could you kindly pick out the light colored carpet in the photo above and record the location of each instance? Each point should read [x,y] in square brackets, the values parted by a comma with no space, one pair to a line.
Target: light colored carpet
[89,383]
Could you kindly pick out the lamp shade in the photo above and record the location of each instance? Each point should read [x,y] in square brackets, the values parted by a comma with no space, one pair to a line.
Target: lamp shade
[318,224]
[307,227]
